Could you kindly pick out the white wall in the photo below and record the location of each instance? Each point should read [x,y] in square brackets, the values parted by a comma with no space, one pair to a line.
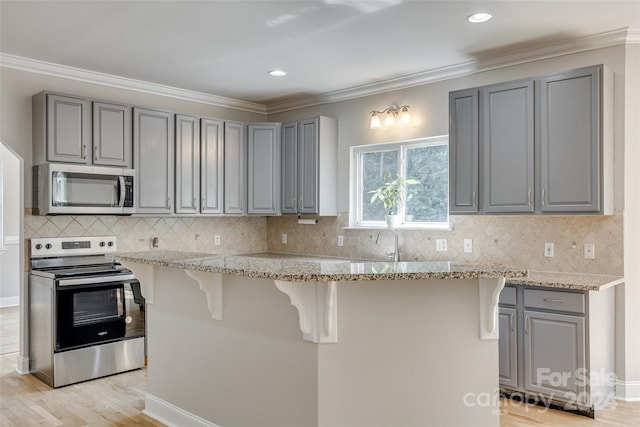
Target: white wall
[10,231]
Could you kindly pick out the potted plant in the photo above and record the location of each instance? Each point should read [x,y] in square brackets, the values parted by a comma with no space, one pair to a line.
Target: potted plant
[391,195]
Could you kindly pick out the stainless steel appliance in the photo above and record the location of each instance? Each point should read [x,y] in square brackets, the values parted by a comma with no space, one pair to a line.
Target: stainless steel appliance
[81,189]
[86,312]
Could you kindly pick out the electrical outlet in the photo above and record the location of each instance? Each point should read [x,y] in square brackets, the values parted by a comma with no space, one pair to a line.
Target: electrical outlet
[441,245]
[155,242]
[468,246]
[216,240]
[284,238]
[589,251]
[340,240]
[548,250]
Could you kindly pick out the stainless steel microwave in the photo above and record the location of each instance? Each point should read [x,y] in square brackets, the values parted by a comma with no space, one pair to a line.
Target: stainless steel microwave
[60,189]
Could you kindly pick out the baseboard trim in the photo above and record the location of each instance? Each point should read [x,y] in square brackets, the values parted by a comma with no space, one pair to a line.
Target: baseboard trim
[22,365]
[628,391]
[172,415]
[9,301]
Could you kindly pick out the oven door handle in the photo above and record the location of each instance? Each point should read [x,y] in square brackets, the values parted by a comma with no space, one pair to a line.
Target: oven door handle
[96,280]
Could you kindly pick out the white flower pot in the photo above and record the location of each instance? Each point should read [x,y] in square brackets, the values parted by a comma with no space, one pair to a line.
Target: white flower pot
[393,221]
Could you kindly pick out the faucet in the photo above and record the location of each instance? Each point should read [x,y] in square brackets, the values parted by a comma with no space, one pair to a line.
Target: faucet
[396,254]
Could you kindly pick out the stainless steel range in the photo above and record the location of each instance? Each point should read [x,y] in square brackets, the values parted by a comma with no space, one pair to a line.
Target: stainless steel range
[86,313]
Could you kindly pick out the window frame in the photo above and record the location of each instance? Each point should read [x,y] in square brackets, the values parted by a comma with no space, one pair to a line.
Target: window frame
[355,182]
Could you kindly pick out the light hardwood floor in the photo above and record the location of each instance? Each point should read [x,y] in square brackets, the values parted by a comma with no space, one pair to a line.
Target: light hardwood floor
[118,400]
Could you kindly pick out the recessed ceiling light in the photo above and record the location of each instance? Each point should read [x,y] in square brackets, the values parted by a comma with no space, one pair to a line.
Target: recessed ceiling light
[277,73]
[479,17]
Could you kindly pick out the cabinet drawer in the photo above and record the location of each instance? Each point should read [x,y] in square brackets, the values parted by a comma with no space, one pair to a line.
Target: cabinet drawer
[554,300]
[508,295]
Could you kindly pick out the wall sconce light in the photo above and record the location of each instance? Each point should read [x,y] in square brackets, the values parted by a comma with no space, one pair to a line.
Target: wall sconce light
[391,116]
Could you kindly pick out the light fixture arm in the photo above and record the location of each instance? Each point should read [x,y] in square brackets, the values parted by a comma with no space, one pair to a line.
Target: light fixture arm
[393,109]
[391,113]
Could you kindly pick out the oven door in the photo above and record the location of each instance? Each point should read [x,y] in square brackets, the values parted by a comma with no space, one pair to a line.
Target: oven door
[89,314]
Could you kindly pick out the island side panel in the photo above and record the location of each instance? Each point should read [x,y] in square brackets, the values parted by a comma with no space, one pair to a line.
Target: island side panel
[409,354]
[251,369]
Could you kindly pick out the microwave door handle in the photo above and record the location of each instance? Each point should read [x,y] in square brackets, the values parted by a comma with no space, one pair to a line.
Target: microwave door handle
[123,190]
[56,197]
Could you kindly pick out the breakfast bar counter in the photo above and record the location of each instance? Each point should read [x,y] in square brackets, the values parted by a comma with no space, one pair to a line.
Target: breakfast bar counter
[287,340]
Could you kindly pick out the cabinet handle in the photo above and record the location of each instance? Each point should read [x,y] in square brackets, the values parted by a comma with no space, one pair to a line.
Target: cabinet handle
[84,151]
[168,203]
[95,152]
[526,324]
[530,197]
[300,204]
[473,198]
[543,203]
[203,203]
[559,301]
[194,203]
[511,317]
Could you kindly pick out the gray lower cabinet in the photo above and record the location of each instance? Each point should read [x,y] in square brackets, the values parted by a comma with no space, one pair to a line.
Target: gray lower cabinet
[234,168]
[508,346]
[112,135]
[559,344]
[263,168]
[153,143]
[211,166]
[463,154]
[570,153]
[187,155]
[61,129]
[554,354]
[309,167]
[507,117]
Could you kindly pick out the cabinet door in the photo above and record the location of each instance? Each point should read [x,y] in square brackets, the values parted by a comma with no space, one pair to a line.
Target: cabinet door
[211,166]
[263,168]
[234,168]
[570,141]
[554,354]
[112,134]
[308,147]
[187,164]
[153,143]
[68,129]
[463,151]
[508,347]
[289,176]
[507,147]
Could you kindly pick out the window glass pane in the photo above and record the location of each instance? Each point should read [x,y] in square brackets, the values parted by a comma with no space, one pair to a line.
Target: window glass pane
[428,201]
[374,167]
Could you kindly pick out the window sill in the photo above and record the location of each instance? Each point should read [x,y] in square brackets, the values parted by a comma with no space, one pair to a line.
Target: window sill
[403,227]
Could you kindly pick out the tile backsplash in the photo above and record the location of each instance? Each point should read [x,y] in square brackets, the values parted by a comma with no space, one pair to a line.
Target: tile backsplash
[513,240]
[134,233]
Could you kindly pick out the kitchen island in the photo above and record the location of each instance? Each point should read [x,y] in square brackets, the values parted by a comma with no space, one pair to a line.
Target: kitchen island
[276,340]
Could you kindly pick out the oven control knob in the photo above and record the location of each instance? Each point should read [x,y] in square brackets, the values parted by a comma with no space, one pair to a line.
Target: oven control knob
[39,246]
[48,246]
[110,244]
[102,244]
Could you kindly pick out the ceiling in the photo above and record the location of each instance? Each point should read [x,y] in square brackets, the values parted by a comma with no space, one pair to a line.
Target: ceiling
[226,48]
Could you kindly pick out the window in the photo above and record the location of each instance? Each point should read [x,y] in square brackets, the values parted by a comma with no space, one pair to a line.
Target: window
[425,204]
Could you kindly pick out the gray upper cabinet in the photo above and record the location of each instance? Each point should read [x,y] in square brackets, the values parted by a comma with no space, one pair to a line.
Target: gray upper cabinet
[463,151]
[153,143]
[61,129]
[112,134]
[570,148]
[234,168]
[211,166]
[187,156]
[508,155]
[539,145]
[309,167]
[263,168]
[289,168]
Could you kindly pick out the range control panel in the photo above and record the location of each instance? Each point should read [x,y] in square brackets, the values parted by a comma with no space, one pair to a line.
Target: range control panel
[61,246]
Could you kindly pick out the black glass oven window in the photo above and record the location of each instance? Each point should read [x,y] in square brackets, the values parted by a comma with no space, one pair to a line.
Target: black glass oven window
[97,306]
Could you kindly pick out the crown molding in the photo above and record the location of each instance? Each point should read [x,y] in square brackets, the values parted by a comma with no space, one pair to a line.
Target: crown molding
[595,41]
[78,74]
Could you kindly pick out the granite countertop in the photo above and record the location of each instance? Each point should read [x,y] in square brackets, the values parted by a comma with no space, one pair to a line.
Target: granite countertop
[560,280]
[300,268]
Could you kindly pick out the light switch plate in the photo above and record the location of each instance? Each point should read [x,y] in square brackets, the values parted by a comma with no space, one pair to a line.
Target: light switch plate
[589,251]
[284,238]
[548,250]
[216,240]
[340,240]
